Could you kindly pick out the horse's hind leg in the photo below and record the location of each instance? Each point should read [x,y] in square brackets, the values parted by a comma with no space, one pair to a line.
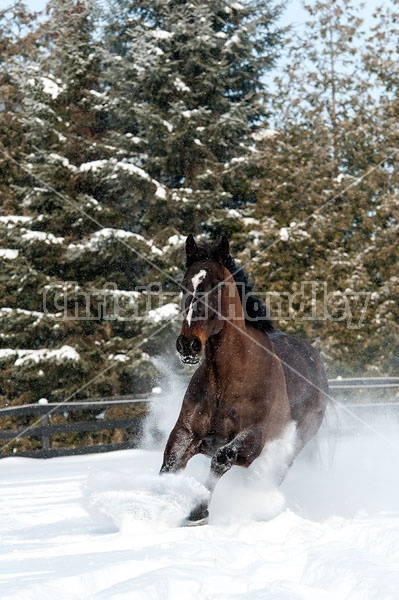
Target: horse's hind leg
[310,421]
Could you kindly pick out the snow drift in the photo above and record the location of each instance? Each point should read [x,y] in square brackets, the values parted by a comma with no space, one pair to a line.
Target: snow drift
[107,526]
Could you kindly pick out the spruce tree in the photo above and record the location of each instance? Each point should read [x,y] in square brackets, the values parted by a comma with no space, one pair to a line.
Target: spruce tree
[185,82]
[317,196]
[381,257]
[67,242]
[17,43]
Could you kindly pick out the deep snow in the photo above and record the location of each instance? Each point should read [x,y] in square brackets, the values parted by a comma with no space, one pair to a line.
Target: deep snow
[107,526]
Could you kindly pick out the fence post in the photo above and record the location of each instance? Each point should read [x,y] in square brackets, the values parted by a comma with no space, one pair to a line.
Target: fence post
[44,422]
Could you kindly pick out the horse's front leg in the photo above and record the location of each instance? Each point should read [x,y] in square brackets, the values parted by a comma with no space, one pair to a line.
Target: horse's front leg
[180,447]
[242,450]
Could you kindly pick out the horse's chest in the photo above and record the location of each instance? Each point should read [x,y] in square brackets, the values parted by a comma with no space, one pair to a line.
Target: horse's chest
[217,421]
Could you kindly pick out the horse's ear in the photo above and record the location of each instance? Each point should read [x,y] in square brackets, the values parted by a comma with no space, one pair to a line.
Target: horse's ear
[223,249]
[191,250]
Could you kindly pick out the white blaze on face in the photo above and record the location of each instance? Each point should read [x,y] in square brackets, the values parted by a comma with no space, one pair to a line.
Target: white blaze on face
[196,280]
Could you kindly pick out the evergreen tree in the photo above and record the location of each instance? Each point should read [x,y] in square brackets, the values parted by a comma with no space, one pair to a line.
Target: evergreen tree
[64,120]
[317,179]
[139,124]
[17,42]
[381,257]
[67,244]
[185,82]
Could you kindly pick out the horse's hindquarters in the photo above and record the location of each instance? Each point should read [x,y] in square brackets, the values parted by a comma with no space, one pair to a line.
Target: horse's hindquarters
[306,381]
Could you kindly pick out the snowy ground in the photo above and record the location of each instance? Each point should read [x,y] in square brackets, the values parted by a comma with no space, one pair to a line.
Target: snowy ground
[107,527]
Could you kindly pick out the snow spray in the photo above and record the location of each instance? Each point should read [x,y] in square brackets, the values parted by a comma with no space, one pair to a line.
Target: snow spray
[247,494]
[164,405]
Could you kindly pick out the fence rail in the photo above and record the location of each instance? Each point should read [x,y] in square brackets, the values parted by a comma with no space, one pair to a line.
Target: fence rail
[43,430]
[364,382]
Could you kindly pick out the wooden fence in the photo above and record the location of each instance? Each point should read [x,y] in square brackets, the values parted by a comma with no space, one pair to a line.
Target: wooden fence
[42,429]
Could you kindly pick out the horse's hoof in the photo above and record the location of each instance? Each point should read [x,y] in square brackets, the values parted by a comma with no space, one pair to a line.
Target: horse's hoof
[189,523]
[198,516]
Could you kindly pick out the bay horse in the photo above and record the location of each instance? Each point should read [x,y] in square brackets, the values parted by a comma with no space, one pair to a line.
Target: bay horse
[253,381]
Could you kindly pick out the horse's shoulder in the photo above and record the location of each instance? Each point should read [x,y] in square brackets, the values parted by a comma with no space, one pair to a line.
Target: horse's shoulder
[200,385]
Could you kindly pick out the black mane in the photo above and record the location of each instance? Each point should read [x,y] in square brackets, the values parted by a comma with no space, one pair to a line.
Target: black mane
[255,310]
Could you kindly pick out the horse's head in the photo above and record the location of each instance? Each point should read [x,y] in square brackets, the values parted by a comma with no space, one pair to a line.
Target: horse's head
[201,298]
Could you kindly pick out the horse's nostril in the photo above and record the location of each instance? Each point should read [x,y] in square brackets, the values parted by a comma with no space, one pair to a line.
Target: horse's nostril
[179,345]
[188,346]
[196,345]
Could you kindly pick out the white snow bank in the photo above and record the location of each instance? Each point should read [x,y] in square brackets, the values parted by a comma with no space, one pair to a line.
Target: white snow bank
[30,236]
[248,221]
[11,220]
[123,165]
[160,191]
[97,239]
[167,311]
[180,85]
[123,358]
[65,353]
[51,87]
[93,165]
[232,213]
[233,40]
[176,240]
[173,242]
[284,234]
[8,253]
[105,527]
[58,158]
[7,312]
[161,34]
[263,133]
[143,502]
[7,353]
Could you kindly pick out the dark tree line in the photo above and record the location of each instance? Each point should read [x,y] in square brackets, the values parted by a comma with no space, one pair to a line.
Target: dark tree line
[124,128]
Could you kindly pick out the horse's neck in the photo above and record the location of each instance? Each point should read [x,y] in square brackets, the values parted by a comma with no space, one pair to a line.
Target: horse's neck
[224,349]
[231,306]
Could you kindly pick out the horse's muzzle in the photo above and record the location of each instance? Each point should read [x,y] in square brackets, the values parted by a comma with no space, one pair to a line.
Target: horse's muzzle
[189,348]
